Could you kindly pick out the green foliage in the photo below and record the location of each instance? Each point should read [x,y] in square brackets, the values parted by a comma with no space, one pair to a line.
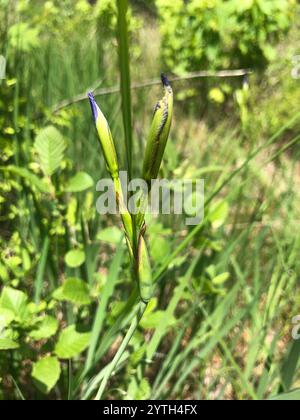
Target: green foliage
[217,34]
[80,182]
[14,301]
[71,343]
[75,258]
[8,344]
[50,147]
[46,373]
[30,177]
[23,37]
[75,291]
[111,235]
[46,328]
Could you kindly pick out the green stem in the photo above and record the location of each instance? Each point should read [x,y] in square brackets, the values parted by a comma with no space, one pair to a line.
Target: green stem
[134,324]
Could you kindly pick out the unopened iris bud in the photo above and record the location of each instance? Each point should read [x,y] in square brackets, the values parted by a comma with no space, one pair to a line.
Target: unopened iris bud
[105,137]
[159,133]
[110,156]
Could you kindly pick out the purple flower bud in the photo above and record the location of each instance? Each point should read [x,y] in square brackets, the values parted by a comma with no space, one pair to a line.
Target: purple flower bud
[165,80]
[94,106]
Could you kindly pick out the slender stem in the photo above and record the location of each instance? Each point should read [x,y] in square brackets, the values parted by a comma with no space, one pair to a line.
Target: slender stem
[147,83]
[134,324]
[70,382]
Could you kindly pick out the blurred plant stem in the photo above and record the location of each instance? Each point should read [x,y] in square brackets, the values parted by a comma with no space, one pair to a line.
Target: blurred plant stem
[141,307]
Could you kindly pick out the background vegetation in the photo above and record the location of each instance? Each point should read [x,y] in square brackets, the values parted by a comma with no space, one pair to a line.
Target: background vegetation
[219,326]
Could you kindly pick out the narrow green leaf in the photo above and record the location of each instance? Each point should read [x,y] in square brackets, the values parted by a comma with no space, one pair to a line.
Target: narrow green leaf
[290,365]
[289,396]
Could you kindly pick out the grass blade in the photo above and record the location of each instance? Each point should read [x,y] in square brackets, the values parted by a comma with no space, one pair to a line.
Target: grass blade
[102,307]
[125,79]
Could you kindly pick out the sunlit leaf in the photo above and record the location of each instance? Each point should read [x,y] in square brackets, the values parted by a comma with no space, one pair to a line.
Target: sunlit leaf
[8,344]
[76,291]
[46,373]
[13,300]
[50,146]
[71,343]
[111,235]
[80,182]
[75,258]
[47,328]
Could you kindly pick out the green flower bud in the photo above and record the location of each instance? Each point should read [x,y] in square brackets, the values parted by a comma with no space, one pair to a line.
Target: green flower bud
[110,156]
[159,133]
[106,140]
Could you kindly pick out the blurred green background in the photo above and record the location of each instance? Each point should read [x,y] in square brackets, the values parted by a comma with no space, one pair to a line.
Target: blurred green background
[220,324]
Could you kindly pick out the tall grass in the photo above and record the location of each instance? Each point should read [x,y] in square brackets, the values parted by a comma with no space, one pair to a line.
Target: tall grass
[125,83]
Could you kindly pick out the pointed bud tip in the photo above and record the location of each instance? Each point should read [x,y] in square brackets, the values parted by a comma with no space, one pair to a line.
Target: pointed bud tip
[165,80]
[93,104]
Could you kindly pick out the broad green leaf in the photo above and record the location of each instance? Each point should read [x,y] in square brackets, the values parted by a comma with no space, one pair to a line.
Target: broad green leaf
[8,344]
[6,317]
[138,391]
[80,182]
[220,279]
[111,235]
[219,214]
[58,294]
[47,328]
[13,300]
[137,356]
[153,320]
[30,177]
[50,146]
[71,343]
[160,248]
[269,52]
[244,5]
[75,258]
[23,37]
[216,95]
[144,390]
[46,373]
[76,291]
